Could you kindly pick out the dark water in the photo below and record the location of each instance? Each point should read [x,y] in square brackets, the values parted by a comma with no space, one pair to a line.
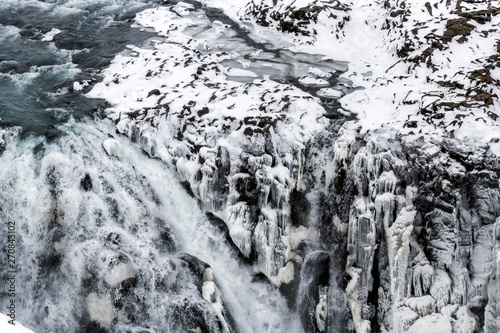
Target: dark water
[37,75]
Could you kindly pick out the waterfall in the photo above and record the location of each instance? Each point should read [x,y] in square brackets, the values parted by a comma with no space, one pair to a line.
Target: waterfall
[115,243]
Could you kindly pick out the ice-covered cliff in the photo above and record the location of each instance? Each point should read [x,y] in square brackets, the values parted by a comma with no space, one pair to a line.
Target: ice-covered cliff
[380,213]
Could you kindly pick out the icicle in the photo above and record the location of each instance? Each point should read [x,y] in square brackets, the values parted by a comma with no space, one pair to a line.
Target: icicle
[322,308]
[398,241]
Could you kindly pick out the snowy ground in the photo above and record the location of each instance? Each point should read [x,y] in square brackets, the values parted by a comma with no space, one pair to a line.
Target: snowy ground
[426,71]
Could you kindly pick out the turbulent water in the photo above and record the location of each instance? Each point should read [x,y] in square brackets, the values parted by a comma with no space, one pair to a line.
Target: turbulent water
[48,45]
[117,230]
[103,243]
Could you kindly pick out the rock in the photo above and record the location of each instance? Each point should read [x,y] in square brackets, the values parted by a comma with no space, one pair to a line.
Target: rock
[457,27]
[2,144]
[154,92]
[86,183]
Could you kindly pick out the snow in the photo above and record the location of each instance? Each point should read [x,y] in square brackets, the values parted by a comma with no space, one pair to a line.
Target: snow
[423,305]
[433,323]
[77,86]
[285,274]
[392,80]
[6,327]
[321,312]
[49,36]
[329,93]
[212,295]
[312,81]
[199,91]
[112,147]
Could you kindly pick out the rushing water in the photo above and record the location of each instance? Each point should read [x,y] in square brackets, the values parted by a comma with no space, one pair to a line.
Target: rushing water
[80,213]
[109,243]
[39,66]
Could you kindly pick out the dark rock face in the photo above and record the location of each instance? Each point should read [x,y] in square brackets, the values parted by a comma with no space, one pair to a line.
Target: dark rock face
[292,18]
[414,231]
[86,183]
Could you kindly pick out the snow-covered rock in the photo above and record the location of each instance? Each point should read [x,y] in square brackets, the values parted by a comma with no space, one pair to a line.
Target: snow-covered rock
[405,198]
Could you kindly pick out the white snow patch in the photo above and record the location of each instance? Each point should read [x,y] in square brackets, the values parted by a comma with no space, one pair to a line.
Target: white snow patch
[49,36]
[329,93]
[312,81]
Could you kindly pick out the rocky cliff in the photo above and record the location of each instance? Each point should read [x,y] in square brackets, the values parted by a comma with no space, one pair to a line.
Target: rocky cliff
[377,214]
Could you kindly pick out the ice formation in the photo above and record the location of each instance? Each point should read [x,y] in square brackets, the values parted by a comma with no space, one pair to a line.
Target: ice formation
[396,210]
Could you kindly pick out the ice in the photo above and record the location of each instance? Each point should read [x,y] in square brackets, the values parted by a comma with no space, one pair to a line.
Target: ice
[112,147]
[238,222]
[423,305]
[492,311]
[322,309]
[401,131]
[286,275]
[466,322]
[211,294]
[433,323]
[312,81]
[404,317]
[329,93]
[49,36]
[440,289]
[355,303]
[423,274]
[399,252]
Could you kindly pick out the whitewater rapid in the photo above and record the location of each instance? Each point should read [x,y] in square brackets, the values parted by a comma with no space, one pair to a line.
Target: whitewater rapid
[72,236]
